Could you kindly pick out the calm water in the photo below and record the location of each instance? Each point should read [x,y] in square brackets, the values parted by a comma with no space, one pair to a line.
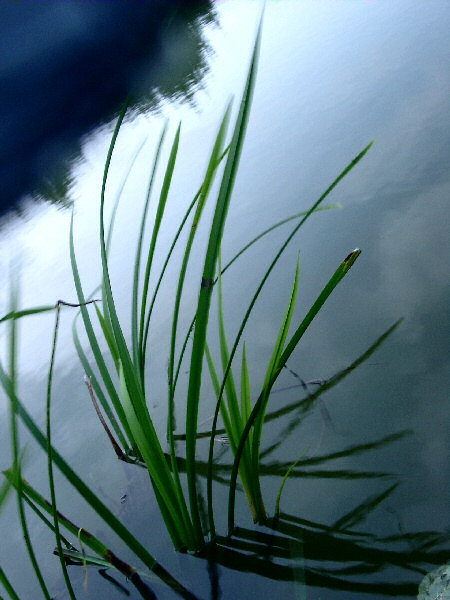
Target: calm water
[332,77]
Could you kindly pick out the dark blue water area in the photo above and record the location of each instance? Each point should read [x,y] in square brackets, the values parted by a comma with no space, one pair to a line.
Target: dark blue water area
[364,402]
[66,67]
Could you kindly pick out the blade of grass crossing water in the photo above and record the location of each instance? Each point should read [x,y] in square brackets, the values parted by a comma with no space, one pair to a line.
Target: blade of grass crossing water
[138,258]
[11,392]
[213,163]
[273,228]
[7,585]
[204,300]
[144,319]
[4,490]
[50,461]
[342,270]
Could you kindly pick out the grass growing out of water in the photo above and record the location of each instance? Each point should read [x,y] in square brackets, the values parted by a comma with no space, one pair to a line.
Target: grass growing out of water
[123,395]
[242,422]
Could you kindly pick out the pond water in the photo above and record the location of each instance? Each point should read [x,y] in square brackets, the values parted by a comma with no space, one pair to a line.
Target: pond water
[332,76]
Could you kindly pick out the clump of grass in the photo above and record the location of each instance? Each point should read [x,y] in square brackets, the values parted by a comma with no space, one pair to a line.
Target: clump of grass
[122,394]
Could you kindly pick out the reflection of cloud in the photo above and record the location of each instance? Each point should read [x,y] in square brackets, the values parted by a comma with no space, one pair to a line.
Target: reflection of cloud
[414,253]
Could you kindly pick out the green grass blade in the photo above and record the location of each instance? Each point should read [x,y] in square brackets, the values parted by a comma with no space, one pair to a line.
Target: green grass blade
[119,195]
[337,277]
[138,258]
[18,314]
[144,319]
[214,161]
[11,393]
[148,455]
[91,498]
[230,386]
[283,247]
[283,483]
[50,461]
[276,226]
[204,300]
[259,422]
[7,585]
[109,336]
[246,397]
[104,373]
[131,387]
[4,490]
[341,271]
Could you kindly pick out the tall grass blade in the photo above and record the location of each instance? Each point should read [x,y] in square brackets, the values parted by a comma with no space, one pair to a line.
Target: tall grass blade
[50,460]
[259,421]
[204,300]
[131,388]
[213,164]
[137,262]
[16,469]
[338,275]
[7,585]
[144,319]
[104,373]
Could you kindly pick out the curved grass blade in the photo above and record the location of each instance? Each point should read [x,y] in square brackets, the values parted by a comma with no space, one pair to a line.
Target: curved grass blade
[50,460]
[283,483]
[18,314]
[204,300]
[132,391]
[214,161]
[104,373]
[137,261]
[338,275]
[36,501]
[7,585]
[144,319]
[16,469]
[275,226]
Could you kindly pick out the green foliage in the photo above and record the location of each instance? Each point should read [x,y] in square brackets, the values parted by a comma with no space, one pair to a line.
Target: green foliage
[121,390]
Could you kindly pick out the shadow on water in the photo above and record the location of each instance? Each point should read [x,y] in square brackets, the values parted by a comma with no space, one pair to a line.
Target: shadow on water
[67,68]
[337,556]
